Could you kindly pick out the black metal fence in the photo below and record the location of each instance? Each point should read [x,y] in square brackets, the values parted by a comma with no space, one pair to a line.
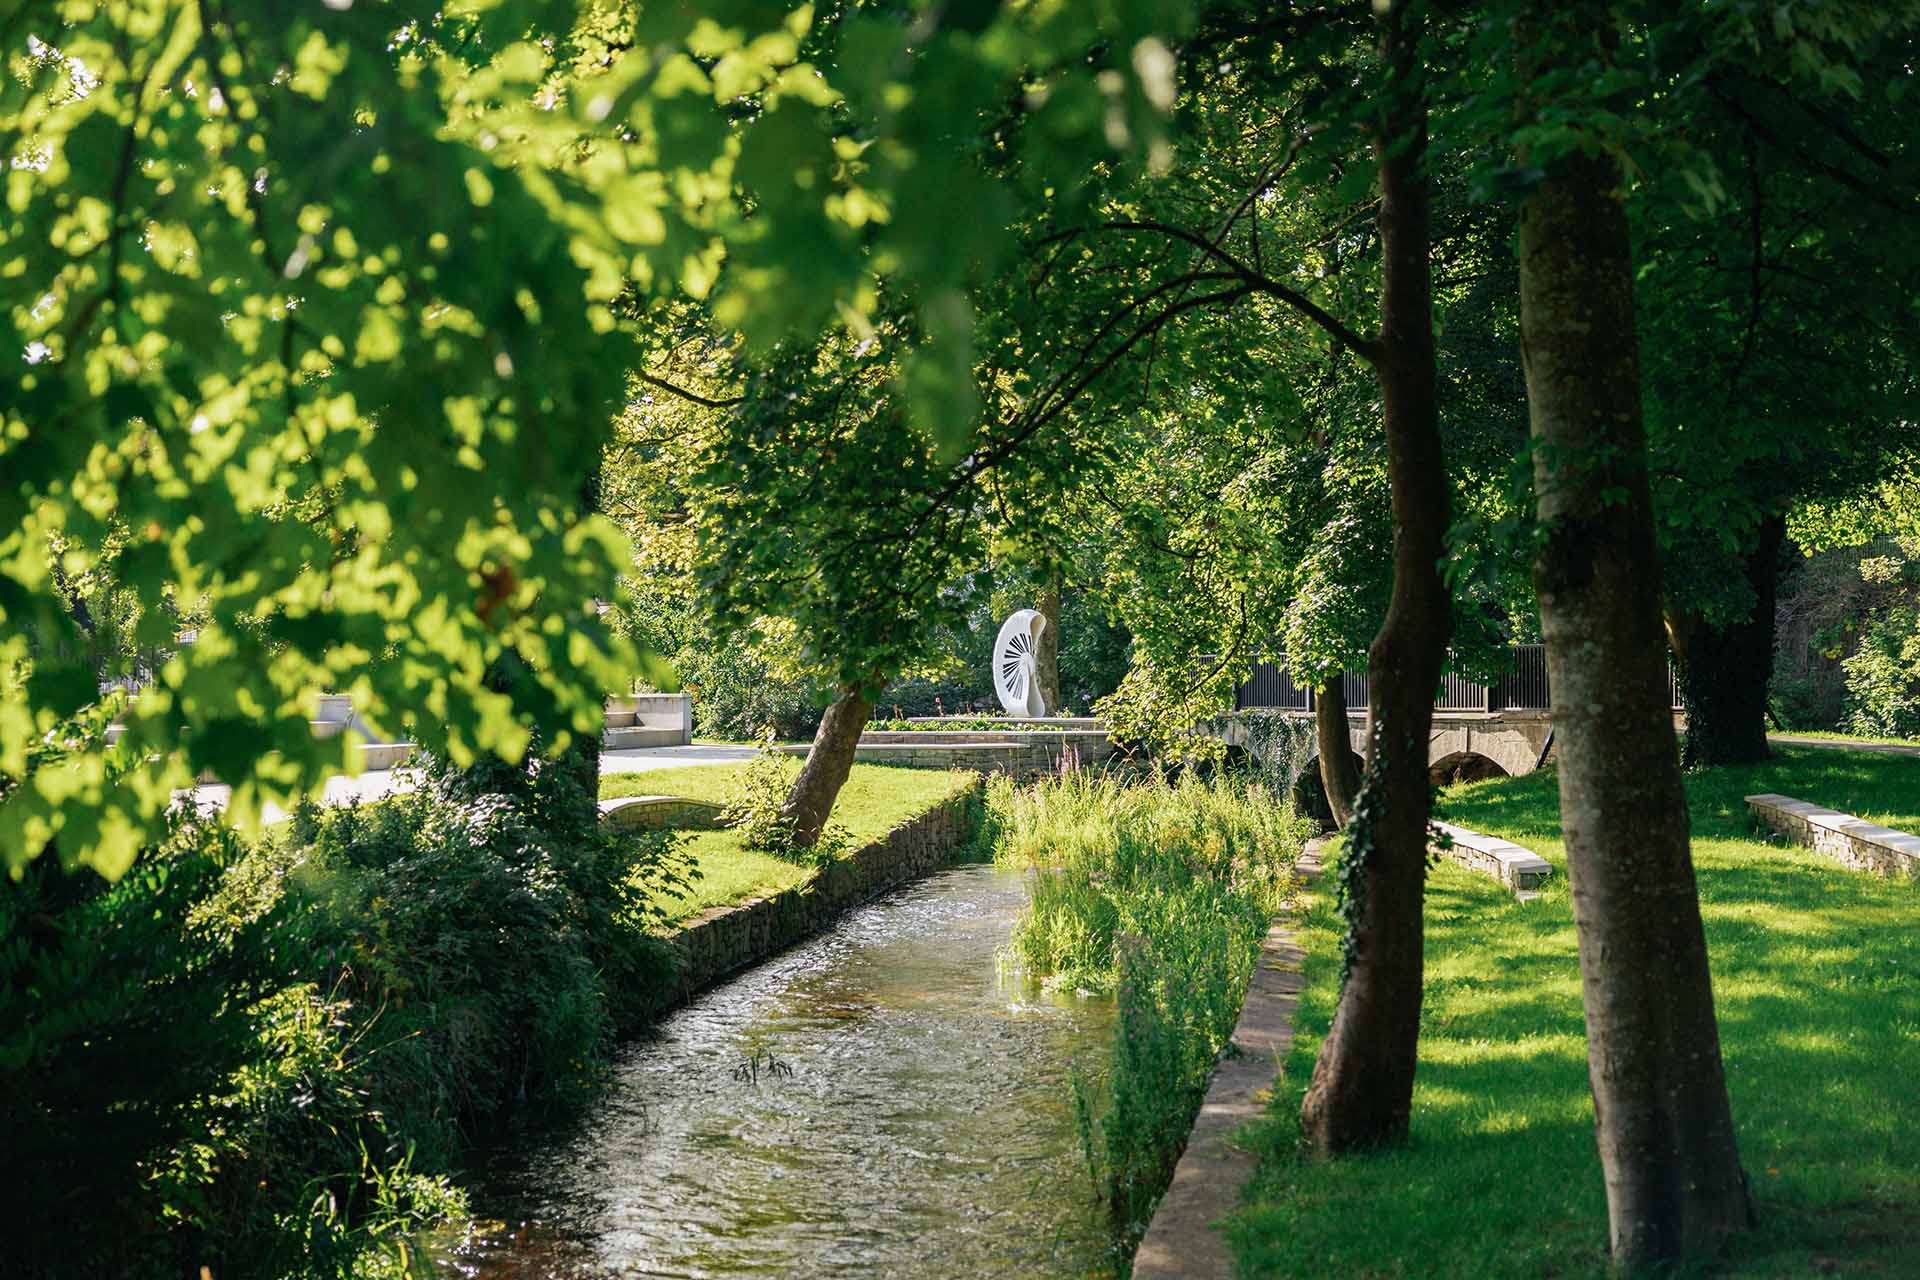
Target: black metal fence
[1523,688]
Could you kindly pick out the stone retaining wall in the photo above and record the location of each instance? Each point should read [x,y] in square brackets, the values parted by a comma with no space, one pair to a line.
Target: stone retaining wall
[718,942]
[1021,755]
[1854,841]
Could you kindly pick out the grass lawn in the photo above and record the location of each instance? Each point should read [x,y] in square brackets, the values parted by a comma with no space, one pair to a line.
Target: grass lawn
[1817,980]
[876,799]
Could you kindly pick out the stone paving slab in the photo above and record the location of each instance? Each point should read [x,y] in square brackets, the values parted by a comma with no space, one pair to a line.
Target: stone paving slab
[1184,1241]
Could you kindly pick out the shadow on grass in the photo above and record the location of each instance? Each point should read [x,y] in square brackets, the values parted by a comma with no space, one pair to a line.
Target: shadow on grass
[1815,971]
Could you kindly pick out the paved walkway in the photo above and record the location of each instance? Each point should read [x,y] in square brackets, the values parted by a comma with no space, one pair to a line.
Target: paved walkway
[1833,744]
[1183,1242]
[644,759]
[374,783]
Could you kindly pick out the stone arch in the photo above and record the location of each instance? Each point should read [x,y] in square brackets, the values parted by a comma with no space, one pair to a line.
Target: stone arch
[1464,766]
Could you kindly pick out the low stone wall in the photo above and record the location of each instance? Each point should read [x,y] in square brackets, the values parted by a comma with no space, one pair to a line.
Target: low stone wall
[1022,755]
[1853,841]
[718,942]
[656,813]
[1516,866]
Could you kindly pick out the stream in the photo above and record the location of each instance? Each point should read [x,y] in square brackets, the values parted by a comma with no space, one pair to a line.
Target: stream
[877,1101]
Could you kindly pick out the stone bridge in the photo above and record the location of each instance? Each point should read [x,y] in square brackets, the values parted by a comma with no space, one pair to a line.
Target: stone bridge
[1479,730]
[1461,746]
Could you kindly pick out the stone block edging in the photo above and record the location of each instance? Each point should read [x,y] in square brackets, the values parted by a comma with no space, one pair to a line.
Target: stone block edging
[1516,866]
[654,813]
[725,939]
[1852,841]
[1183,1241]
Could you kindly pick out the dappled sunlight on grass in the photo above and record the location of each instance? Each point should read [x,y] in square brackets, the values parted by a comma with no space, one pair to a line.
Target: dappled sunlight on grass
[1815,972]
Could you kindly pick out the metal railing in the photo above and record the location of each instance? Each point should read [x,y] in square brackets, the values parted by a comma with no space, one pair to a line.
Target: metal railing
[1524,687]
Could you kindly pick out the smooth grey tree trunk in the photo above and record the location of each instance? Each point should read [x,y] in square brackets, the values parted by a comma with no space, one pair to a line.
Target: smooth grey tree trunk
[829,760]
[1665,1129]
[1334,741]
[1361,1095]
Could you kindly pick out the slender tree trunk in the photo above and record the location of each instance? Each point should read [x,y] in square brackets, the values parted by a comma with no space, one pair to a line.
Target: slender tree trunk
[1362,1089]
[1046,655]
[1665,1130]
[1334,741]
[1726,670]
[829,761]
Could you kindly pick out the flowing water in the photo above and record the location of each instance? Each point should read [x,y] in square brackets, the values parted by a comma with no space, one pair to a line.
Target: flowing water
[878,1101]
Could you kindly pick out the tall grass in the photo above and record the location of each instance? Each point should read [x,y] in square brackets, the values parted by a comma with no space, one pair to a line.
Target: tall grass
[1160,893]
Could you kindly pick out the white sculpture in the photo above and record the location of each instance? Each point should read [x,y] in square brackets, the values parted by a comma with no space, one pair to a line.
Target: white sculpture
[1013,658]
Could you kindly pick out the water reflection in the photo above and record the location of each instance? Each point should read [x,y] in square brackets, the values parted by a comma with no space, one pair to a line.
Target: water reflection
[916,1123]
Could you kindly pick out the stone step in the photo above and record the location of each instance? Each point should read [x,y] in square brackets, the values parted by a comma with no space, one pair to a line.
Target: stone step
[635,736]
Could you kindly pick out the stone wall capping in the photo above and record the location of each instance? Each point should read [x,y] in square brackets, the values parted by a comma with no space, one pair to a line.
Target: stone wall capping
[1517,867]
[1855,842]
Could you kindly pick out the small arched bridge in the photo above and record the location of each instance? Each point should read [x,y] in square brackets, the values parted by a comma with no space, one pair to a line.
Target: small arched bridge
[1478,729]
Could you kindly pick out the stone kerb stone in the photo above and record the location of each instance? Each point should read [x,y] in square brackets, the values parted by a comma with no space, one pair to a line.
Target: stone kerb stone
[1517,867]
[1855,842]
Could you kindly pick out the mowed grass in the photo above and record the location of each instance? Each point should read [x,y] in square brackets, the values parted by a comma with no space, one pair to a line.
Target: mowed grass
[1817,980]
[876,799]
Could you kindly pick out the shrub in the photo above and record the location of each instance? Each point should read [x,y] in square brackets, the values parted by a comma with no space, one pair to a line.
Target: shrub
[1883,677]
[753,807]
[736,696]
[123,1015]
[263,1060]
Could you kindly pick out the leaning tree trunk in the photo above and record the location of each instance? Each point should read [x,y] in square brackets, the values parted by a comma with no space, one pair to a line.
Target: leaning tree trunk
[810,801]
[1046,652]
[1665,1129]
[1725,671]
[1362,1090]
[1334,741]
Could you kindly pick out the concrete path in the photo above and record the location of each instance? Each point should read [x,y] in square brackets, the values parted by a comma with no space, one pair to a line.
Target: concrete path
[1882,748]
[374,783]
[645,759]
[1183,1242]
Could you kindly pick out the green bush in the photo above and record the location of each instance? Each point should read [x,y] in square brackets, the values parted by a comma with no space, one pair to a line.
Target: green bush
[737,697]
[1883,677]
[1160,893]
[122,1017]
[266,1060]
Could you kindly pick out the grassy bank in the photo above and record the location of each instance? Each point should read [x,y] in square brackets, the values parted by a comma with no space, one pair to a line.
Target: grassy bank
[1161,894]
[1814,975]
[875,800]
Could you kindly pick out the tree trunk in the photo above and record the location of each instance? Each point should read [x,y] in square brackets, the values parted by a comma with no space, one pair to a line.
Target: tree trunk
[1362,1089]
[1725,670]
[1046,653]
[810,802]
[1665,1130]
[1334,741]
